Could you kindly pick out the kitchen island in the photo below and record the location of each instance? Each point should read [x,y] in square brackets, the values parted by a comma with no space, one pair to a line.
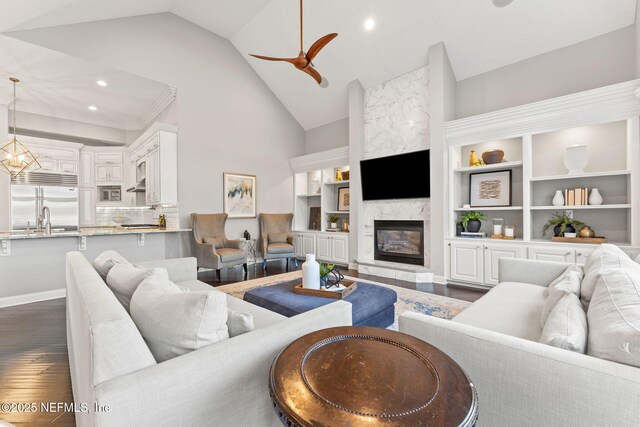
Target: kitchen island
[32,266]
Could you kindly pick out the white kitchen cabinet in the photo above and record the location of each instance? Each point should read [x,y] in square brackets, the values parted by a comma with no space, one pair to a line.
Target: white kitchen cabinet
[87,206]
[162,172]
[323,247]
[466,262]
[47,164]
[305,243]
[109,172]
[332,247]
[492,255]
[55,156]
[86,177]
[552,253]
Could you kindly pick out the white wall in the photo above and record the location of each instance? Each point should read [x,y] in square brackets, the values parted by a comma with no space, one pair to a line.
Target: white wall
[637,27]
[326,137]
[229,120]
[598,62]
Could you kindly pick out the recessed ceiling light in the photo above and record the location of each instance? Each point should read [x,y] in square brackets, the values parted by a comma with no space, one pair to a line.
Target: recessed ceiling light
[93,108]
[501,3]
[369,24]
[101,83]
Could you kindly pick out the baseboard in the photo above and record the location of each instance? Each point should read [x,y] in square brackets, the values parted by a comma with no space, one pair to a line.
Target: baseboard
[440,280]
[34,297]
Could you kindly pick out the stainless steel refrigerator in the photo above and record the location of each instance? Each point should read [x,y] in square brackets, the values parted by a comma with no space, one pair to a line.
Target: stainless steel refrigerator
[32,191]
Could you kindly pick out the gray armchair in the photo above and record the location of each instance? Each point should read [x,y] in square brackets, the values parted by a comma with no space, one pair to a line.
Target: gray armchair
[213,249]
[276,238]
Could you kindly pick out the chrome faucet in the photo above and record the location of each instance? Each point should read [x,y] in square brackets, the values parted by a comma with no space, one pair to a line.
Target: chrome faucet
[45,215]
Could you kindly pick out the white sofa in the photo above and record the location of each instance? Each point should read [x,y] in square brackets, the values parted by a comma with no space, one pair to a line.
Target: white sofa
[224,384]
[519,380]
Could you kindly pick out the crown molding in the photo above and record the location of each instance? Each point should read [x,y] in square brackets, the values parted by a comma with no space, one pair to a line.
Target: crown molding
[606,104]
[166,97]
[324,159]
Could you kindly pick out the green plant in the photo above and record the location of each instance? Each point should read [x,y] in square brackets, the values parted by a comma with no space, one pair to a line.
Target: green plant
[464,219]
[332,218]
[563,220]
[325,269]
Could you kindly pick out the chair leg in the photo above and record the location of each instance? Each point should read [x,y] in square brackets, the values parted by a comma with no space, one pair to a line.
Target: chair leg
[264,265]
[218,274]
[287,264]
[296,261]
[246,269]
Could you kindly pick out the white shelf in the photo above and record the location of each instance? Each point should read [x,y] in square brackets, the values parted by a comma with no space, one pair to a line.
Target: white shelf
[337,182]
[336,212]
[582,207]
[500,208]
[496,166]
[581,176]
[309,195]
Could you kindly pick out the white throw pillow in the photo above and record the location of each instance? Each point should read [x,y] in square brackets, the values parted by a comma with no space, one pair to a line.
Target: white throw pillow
[106,260]
[239,323]
[566,326]
[124,279]
[605,257]
[570,284]
[637,259]
[563,276]
[175,321]
[614,316]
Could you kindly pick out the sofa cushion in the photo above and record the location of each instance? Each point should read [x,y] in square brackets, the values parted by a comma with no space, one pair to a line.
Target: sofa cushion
[261,316]
[562,278]
[174,320]
[124,279]
[606,256]
[614,316]
[569,284]
[106,260]
[637,259]
[231,254]
[280,248]
[510,308]
[566,326]
[278,237]
[216,242]
[239,322]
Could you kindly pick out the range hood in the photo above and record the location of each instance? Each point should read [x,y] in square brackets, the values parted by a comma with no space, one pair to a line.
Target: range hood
[140,187]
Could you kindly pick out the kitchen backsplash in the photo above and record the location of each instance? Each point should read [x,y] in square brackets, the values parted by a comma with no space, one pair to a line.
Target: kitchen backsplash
[139,215]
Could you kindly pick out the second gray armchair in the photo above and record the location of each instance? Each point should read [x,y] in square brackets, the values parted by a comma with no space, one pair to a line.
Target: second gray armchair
[213,249]
[276,238]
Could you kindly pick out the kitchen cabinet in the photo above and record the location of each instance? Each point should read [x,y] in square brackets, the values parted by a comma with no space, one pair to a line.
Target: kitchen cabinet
[552,253]
[466,262]
[87,206]
[55,156]
[332,247]
[162,172]
[492,255]
[109,172]
[86,177]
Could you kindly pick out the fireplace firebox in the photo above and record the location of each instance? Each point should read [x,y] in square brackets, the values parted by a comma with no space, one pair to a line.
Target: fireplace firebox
[399,241]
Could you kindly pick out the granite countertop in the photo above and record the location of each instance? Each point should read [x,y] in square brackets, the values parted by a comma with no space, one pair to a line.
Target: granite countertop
[98,231]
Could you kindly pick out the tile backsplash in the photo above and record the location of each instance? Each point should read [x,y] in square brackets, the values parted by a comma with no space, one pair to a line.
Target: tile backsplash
[138,215]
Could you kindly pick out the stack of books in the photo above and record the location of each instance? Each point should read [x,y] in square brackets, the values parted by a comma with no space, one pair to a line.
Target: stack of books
[470,235]
[576,197]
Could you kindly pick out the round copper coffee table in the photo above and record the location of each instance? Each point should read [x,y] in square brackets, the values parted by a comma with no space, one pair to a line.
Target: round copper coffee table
[351,376]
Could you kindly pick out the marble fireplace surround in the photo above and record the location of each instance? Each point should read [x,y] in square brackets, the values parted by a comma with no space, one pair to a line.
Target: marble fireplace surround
[396,121]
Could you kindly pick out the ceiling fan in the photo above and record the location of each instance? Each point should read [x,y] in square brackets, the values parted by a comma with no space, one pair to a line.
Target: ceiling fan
[303,61]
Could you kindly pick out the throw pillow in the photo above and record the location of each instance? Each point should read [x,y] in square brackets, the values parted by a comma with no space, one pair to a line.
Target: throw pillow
[239,323]
[175,321]
[570,284]
[605,257]
[278,237]
[106,260]
[614,316]
[638,259]
[217,242]
[124,279]
[566,326]
[563,276]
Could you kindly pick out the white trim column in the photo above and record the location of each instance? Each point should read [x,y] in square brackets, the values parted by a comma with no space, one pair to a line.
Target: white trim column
[356,153]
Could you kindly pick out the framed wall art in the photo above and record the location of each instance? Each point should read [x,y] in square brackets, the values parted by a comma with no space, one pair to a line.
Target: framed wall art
[344,200]
[490,189]
[239,195]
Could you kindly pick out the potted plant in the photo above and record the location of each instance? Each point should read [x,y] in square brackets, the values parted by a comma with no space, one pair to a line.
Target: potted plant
[333,221]
[325,270]
[471,221]
[562,223]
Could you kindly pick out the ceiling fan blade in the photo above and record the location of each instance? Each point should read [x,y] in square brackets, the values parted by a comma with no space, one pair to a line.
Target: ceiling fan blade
[313,73]
[319,44]
[269,58]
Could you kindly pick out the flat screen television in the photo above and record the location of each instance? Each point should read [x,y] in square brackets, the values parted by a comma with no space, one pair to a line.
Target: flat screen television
[404,176]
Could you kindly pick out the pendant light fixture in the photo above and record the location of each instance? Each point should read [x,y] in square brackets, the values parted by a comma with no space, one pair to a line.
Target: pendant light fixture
[15,158]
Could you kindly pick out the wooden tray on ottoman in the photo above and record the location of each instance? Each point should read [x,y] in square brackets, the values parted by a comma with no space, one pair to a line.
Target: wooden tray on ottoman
[349,287]
[588,240]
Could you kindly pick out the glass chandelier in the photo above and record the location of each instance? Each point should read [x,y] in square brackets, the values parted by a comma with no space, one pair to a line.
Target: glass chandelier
[15,158]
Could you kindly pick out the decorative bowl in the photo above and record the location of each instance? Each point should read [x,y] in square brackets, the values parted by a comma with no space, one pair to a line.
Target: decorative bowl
[493,156]
[119,219]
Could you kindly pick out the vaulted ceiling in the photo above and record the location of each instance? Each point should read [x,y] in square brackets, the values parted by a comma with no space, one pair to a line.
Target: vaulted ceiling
[478,36]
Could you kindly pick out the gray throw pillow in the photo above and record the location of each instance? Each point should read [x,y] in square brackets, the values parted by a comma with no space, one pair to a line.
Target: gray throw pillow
[106,260]
[570,284]
[239,323]
[175,321]
[566,326]
[278,237]
[124,279]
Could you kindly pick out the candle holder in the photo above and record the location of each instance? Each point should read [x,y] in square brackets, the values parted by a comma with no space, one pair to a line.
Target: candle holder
[498,228]
[509,232]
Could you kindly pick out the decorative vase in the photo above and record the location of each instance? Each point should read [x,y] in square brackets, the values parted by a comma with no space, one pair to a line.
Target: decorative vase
[474,226]
[556,231]
[587,232]
[247,235]
[492,157]
[473,159]
[595,198]
[311,273]
[334,225]
[459,229]
[576,159]
[558,199]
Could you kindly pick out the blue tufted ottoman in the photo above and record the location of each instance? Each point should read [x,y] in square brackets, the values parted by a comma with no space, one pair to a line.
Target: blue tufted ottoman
[372,305]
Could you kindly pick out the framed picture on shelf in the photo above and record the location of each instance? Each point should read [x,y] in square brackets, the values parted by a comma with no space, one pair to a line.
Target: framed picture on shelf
[490,189]
[343,199]
[239,195]
[314,218]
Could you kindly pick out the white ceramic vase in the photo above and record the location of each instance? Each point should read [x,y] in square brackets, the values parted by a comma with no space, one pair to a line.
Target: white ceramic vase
[595,198]
[576,159]
[334,225]
[558,199]
[311,273]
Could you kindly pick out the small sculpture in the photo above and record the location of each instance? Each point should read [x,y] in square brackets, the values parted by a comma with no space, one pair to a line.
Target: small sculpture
[474,160]
[330,276]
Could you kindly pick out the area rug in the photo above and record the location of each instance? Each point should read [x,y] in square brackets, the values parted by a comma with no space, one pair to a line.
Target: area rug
[408,299]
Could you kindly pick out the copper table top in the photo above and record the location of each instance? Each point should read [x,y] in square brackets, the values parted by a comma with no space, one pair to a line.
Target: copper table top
[351,376]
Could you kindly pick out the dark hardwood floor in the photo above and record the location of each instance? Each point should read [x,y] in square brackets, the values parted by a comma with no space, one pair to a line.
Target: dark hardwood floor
[34,364]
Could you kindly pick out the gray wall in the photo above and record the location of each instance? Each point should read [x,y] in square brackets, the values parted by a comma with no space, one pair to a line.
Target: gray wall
[637,26]
[229,120]
[594,63]
[326,137]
